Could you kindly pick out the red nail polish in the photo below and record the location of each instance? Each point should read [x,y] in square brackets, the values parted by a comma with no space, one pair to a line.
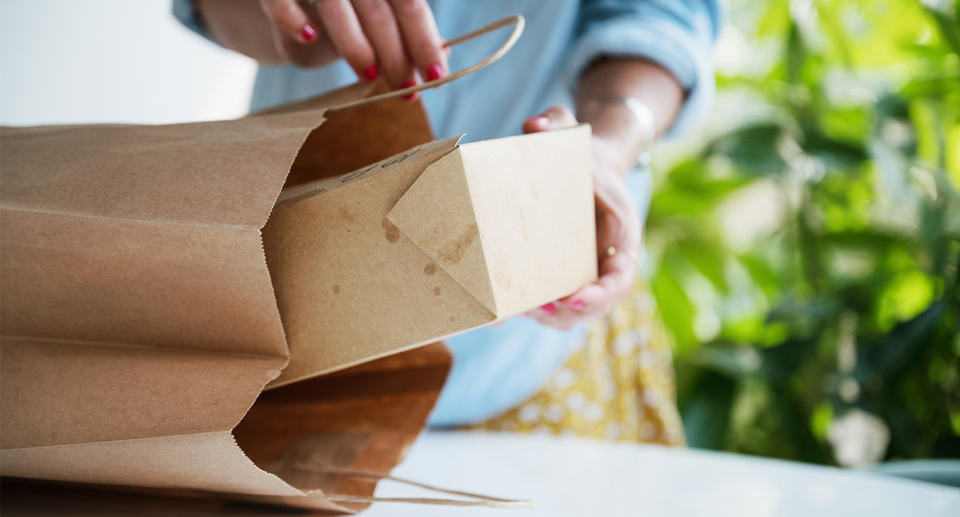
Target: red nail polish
[549,308]
[308,33]
[410,96]
[577,304]
[434,72]
[371,73]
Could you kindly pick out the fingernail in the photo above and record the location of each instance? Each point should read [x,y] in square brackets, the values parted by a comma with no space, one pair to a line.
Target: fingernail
[434,72]
[542,121]
[371,73]
[577,304]
[549,308]
[411,96]
[308,33]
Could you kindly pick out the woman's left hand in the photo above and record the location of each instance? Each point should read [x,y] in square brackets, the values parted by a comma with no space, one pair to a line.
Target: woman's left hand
[618,232]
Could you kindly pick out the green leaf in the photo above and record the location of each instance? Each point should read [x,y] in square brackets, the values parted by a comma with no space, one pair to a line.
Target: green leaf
[793,426]
[930,86]
[839,154]
[904,296]
[796,54]
[774,19]
[687,191]
[949,27]
[779,363]
[848,123]
[708,259]
[674,306]
[761,273]
[707,409]
[811,314]
[885,357]
[734,361]
[753,149]
[872,239]
[820,420]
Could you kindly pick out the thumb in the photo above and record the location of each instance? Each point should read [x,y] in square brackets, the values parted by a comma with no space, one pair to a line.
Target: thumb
[555,117]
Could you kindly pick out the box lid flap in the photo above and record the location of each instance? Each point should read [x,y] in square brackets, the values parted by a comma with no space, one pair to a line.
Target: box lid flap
[437,213]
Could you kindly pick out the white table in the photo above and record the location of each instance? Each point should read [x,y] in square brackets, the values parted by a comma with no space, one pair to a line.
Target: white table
[563,477]
[568,476]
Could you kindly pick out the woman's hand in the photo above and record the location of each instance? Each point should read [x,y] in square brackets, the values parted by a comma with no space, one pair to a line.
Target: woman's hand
[395,37]
[618,230]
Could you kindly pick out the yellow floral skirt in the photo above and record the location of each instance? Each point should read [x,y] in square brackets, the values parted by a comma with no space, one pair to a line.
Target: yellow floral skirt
[617,385]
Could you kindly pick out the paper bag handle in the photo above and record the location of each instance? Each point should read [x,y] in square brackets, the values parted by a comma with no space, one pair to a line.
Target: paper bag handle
[518,23]
[475,499]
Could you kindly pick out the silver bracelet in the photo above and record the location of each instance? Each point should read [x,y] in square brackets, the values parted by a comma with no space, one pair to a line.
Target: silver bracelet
[643,115]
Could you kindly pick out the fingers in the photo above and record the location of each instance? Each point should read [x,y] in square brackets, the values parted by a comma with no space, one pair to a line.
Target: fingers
[341,23]
[381,28]
[423,42]
[555,117]
[616,280]
[397,37]
[295,34]
[405,38]
[618,226]
[617,222]
[552,316]
[591,301]
[289,20]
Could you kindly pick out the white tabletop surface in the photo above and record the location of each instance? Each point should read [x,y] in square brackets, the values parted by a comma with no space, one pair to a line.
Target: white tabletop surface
[564,477]
[568,476]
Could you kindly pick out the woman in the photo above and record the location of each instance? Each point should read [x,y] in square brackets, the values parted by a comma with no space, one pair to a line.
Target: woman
[634,70]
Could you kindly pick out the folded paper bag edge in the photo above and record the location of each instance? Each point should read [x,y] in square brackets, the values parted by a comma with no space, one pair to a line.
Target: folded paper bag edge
[226,468]
[218,178]
[323,185]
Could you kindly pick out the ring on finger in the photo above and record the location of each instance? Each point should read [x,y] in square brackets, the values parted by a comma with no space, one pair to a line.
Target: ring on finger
[612,250]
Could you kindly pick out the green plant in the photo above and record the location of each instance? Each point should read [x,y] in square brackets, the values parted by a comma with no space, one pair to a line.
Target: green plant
[805,262]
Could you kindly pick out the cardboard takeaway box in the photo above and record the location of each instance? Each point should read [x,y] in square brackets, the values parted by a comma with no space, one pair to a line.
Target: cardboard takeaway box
[155,279]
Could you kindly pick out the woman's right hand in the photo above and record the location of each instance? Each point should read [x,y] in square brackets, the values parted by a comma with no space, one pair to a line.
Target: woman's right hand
[395,37]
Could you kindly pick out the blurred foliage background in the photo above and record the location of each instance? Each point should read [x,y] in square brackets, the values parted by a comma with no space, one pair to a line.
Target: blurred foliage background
[804,248]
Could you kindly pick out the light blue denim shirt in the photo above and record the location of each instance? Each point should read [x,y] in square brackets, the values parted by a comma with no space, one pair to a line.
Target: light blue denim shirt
[496,368]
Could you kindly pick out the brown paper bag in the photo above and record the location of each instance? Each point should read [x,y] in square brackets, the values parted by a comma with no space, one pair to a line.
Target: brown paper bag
[156,278]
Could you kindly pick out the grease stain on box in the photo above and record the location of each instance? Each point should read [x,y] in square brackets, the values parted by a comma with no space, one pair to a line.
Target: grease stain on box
[391,232]
[453,251]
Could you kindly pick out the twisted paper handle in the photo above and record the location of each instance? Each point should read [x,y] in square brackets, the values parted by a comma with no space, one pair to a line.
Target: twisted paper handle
[518,23]
[477,499]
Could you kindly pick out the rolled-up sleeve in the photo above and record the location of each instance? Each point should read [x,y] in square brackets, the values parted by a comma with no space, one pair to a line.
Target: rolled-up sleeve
[676,34]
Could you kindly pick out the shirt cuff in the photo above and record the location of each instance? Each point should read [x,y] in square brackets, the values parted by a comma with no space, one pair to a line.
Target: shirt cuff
[664,43]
